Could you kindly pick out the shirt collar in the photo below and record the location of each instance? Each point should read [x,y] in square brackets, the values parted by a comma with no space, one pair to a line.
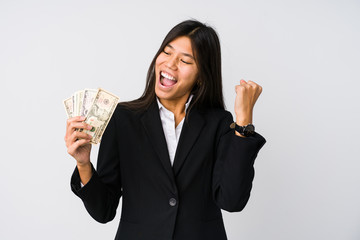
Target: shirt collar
[186,104]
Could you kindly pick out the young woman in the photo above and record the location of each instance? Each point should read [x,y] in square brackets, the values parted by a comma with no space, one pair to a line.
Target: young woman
[173,155]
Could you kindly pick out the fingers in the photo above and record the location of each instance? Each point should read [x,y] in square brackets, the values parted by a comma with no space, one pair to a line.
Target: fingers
[75,123]
[249,85]
[74,139]
[255,86]
[239,88]
[75,136]
[73,148]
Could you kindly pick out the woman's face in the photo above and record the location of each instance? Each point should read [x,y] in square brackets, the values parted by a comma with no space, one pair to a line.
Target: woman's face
[175,71]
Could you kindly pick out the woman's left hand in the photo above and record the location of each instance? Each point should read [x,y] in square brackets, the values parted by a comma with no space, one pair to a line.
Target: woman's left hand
[246,95]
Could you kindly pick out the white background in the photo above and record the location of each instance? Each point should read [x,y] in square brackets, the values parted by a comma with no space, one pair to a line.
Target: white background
[305,54]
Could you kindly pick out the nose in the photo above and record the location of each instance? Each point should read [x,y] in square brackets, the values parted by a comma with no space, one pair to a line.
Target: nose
[172,62]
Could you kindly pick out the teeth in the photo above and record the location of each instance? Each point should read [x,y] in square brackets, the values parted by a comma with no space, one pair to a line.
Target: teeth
[165,75]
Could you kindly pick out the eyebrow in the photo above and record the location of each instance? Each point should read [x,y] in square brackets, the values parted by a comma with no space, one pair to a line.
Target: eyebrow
[185,54]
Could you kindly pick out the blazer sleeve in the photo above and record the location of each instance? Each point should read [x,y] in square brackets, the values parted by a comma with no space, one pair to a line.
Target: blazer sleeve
[233,171]
[102,193]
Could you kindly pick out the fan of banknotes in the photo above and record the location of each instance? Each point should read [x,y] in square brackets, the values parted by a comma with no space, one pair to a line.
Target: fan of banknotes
[96,105]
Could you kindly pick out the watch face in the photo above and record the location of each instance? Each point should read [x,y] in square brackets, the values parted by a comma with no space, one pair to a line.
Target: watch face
[249,129]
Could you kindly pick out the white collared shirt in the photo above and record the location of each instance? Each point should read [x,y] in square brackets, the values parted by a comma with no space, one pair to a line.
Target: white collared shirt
[172,133]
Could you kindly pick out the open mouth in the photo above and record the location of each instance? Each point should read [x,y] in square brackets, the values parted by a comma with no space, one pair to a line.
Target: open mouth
[167,80]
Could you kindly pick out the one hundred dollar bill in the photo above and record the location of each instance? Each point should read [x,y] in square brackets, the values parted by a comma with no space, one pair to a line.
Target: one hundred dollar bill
[99,114]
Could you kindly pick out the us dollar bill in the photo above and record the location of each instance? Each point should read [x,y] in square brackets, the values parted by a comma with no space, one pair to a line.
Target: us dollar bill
[80,101]
[75,98]
[78,98]
[69,107]
[88,99]
[99,115]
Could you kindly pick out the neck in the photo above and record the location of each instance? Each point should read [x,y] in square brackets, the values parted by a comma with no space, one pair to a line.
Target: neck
[177,107]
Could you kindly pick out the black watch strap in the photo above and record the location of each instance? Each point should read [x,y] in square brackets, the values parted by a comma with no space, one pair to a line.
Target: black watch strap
[247,130]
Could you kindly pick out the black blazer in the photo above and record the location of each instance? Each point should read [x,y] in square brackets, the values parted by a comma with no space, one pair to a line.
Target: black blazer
[212,170]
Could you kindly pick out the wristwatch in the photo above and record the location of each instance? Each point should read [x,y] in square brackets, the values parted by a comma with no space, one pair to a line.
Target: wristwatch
[246,131]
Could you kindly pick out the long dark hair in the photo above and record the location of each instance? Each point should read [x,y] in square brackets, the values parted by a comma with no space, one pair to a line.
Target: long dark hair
[206,47]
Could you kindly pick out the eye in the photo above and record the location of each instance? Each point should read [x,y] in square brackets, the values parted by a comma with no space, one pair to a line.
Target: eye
[166,52]
[185,61]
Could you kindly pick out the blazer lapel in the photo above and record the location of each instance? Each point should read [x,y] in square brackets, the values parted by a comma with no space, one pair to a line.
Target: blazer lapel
[152,124]
[189,134]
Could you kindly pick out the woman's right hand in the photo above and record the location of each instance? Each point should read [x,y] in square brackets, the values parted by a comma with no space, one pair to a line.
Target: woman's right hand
[78,143]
